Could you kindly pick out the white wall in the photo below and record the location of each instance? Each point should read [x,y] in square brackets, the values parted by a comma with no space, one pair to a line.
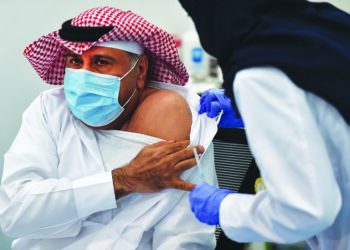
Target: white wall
[342,4]
[23,21]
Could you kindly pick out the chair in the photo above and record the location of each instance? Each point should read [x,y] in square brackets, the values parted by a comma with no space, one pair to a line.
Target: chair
[236,170]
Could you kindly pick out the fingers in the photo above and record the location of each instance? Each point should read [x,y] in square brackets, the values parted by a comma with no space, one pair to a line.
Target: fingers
[159,166]
[184,185]
[188,152]
[163,148]
[200,149]
[185,158]
[162,143]
[203,107]
[176,147]
[171,146]
[215,109]
[225,102]
[185,165]
[202,110]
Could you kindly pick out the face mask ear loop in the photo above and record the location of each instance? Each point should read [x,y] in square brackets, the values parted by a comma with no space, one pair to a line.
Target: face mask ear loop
[129,98]
[132,67]
[135,87]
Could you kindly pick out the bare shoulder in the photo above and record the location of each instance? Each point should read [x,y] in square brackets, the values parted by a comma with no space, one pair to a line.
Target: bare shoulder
[164,114]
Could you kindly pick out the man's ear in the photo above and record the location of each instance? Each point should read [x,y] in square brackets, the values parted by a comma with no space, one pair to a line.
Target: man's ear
[142,67]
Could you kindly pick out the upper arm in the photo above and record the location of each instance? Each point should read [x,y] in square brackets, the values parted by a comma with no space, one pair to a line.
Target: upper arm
[163,114]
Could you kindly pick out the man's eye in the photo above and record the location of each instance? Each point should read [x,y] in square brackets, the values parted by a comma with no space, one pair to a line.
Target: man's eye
[74,61]
[101,62]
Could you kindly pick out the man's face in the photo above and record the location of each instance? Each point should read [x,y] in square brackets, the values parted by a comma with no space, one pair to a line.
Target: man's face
[109,61]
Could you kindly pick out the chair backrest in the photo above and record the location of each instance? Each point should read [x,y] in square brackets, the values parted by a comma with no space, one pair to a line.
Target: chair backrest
[233,158]
[235,167]
[232,161]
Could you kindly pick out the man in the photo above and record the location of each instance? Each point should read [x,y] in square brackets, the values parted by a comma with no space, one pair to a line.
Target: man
[86,166]
[286,68]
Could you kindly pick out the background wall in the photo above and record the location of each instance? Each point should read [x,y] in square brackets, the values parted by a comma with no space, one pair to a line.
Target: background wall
[24,21]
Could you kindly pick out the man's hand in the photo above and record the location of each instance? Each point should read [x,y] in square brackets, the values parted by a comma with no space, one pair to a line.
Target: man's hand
[156,167]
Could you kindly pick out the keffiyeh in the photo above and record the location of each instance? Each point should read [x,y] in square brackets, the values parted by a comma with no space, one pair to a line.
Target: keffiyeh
[47,54]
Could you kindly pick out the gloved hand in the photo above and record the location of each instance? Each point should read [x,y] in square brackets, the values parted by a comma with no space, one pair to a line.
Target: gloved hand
[205,202]
[213,101]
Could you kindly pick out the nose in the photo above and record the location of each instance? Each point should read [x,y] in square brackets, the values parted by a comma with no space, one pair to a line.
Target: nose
[86,65]
[86,62]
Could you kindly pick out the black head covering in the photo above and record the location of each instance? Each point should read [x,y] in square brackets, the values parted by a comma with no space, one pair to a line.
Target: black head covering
[82,34]
[310,42]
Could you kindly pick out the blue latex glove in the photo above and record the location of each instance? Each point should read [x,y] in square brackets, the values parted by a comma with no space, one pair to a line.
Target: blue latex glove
[205,202]
[213,101]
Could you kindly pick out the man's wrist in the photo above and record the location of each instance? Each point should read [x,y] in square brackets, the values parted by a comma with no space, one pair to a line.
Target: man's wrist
[121,183]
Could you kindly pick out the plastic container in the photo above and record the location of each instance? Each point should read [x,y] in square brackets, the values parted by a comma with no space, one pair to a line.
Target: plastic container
[196,60]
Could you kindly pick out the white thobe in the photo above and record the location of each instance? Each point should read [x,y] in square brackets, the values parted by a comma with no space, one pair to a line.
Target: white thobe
[301,144]
[57,193]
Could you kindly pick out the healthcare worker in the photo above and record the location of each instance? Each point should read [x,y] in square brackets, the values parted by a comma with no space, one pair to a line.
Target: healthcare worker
[286,67]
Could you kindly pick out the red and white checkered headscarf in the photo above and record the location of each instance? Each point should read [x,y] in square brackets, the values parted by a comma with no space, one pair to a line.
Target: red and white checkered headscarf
[47,54]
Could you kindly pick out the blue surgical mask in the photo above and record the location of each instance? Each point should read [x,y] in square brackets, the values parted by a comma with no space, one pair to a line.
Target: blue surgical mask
[93,97]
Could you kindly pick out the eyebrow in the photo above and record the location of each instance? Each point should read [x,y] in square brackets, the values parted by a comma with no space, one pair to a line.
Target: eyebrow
[72,54]
[95,57]
[98,57]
